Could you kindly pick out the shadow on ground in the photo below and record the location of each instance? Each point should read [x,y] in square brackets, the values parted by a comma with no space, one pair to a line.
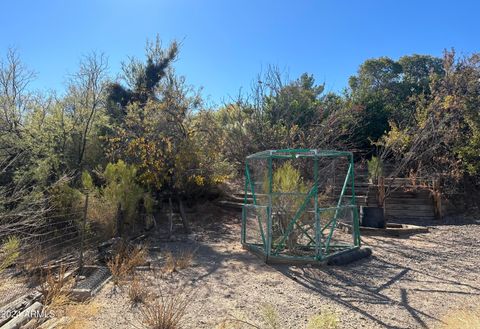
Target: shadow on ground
[381,281]
[407,283]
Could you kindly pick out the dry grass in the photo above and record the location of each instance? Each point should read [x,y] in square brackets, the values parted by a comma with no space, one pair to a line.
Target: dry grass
[124,261]
[270,316]
[166,312]
[236,323]
[80,315]
[462,319]
[174,263]
[137,291]
[324,320]
[55,288]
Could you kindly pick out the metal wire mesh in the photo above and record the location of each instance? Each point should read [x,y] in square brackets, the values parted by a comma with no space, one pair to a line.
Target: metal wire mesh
[301,199]
[41,237]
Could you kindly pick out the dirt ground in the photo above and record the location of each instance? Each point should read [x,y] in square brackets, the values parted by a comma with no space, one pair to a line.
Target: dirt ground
[407,283]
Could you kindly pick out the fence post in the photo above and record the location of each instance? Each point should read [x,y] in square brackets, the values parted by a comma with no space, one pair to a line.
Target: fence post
[82,233]
[437,199]
[119,220]
[170,217]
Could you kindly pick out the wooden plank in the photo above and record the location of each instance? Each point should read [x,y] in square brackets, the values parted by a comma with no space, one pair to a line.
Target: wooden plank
[23,317]
[412,208]
[18,304]
[410,202]
[419,208]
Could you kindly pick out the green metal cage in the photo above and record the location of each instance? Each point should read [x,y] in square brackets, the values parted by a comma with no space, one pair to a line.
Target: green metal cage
[299,205]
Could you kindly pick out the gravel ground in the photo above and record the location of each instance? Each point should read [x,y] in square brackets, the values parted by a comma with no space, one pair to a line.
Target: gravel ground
[407,283]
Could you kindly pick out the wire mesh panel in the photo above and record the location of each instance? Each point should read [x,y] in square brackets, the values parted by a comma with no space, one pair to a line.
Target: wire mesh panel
[334,221]
[255,225]
[45,237]
[307,195]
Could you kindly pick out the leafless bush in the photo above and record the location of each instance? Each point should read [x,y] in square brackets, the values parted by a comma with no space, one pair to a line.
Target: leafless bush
[174,263]
[102,213]
[166,312]
[137,291]
[55,287]
[125,259]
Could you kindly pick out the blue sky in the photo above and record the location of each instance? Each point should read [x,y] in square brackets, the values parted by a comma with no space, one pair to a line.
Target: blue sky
[226,43]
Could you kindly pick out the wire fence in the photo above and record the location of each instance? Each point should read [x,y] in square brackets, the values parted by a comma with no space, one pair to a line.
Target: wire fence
[40,238]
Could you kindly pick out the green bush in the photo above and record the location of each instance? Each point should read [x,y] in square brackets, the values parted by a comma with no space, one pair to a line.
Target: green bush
[87,181]
[375,169]
[9,252]
[66,202]
[286,179]
[122,188]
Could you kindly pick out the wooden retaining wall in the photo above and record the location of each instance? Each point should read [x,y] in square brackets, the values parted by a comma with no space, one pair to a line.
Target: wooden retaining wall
[406,203]
[406,200]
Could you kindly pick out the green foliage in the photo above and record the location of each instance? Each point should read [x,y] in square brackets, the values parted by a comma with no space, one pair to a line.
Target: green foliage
[295,104]
[87,181]
[375,168]
[142,79]
[122,187]
[422,109]
[287,178]
[66,201]
[324,320]
[162,130]
[384,91]
[9,252]
[446,127]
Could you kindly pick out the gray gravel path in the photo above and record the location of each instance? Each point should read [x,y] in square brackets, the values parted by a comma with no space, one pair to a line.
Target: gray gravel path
[407,283]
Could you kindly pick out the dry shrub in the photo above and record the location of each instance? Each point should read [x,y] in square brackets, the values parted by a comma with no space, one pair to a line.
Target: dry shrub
[137,291]
[126,257]
[115,265]
[102,214]
[462,319]
[55,288]
[174,263]
[34,259]
[166,312]
[324,320]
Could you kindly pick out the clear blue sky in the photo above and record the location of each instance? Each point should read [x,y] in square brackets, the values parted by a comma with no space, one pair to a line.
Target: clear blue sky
[226,43]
